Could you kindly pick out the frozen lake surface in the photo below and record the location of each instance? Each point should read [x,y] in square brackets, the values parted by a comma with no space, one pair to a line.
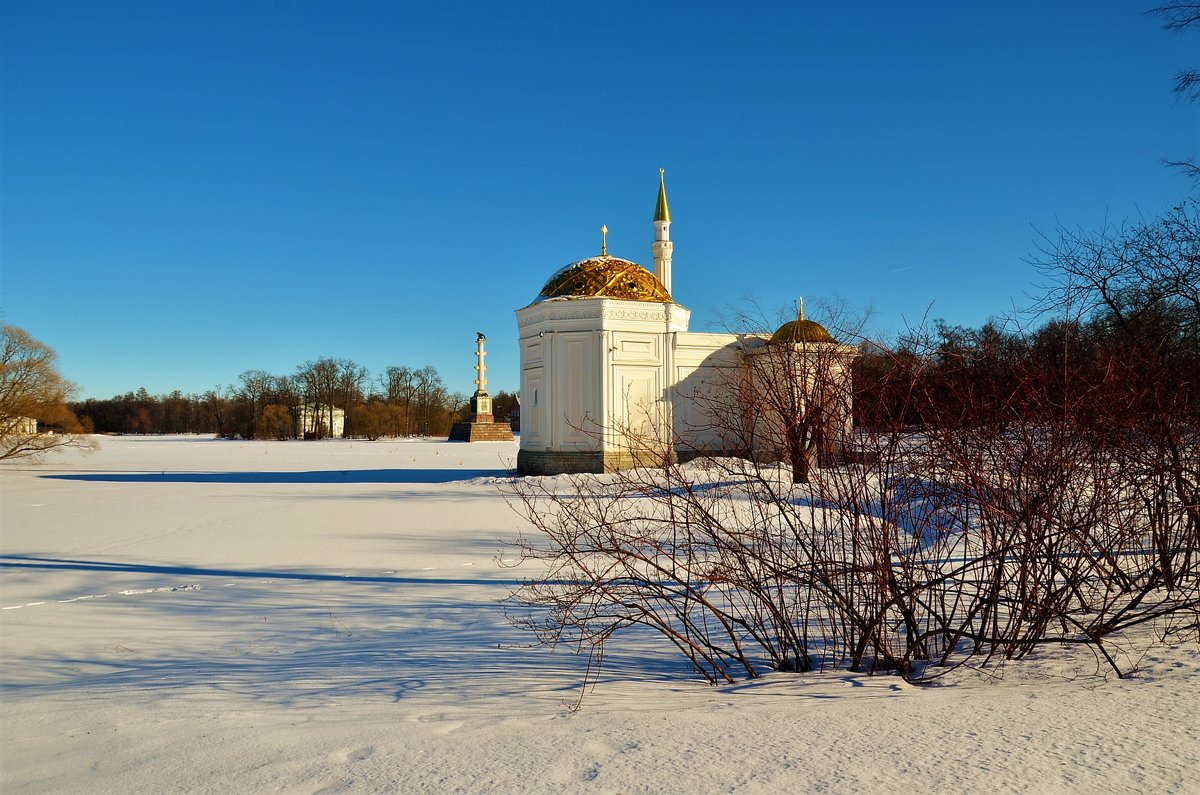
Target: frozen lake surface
[189,614]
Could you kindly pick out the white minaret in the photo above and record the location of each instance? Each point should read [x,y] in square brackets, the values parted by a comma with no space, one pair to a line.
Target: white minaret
[662,246]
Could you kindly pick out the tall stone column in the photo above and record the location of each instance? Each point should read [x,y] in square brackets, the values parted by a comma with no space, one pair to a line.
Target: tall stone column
[482,426]
[481,401]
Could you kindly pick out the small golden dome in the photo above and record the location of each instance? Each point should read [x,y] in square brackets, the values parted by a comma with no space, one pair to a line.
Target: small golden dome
[605,277]
[802,331]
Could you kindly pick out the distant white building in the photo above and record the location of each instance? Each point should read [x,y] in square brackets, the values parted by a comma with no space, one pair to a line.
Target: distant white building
[319,420]
[611,377]
[20,426]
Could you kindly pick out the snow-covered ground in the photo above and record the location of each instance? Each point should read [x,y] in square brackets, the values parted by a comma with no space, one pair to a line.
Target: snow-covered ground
[188,614]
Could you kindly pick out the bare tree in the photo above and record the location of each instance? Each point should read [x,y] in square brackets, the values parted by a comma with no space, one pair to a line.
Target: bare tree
[256,393]
[1141,286]
[318,382]
[215,410]
[506,405]
[351,381]
[790,394]
[34,417]
[430,402]
[1177,18]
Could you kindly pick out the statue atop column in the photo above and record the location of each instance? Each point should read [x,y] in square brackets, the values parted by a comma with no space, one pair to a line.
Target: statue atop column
[482,425]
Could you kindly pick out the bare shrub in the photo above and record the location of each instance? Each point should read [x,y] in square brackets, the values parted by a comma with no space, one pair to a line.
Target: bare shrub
[1032,505]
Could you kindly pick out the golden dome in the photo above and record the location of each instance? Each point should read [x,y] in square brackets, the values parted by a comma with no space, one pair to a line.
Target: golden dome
[802,331]
[605,277]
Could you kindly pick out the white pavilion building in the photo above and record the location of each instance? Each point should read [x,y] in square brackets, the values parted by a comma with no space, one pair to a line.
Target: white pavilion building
[611,377]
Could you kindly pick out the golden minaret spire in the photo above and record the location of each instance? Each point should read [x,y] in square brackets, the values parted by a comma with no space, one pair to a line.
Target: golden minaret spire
[662,247]
[603,240]
[661,211]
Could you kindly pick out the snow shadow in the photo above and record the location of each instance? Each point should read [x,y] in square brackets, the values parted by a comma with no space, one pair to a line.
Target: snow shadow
[35,562]
[334,476]
[926,511]
[442,642]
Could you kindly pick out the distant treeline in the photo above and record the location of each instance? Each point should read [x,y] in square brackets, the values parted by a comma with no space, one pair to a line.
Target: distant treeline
[1129,370]
[1141,364]
[402,401]
[1120,358]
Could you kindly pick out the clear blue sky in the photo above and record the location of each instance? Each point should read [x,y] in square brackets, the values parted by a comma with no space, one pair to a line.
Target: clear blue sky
[195,189]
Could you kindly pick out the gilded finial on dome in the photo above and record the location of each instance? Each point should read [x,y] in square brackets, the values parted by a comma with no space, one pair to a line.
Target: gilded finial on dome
[661,211]
[603,240]
[800,309]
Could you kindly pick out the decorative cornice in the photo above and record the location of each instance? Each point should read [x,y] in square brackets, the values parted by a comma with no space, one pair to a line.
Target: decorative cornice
[602,309]
[622,313]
